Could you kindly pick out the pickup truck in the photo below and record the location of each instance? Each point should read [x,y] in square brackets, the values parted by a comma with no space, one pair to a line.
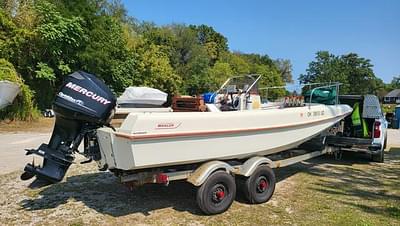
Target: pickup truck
[365,130]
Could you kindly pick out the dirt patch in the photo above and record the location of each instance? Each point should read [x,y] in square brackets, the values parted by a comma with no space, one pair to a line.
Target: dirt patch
[42,125]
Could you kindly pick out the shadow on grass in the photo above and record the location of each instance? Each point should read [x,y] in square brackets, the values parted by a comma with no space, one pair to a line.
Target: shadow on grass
[348,159]
[103,193]
[387,211]
[373,188]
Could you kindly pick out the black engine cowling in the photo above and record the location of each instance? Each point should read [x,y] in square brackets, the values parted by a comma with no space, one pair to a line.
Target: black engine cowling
[84,97]
[83,104]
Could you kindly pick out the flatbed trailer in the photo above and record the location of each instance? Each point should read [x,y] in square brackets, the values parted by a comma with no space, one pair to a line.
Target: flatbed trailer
[216,181]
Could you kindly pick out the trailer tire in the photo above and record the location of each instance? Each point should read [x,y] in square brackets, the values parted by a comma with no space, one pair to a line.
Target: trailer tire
[217,193]
[260,186]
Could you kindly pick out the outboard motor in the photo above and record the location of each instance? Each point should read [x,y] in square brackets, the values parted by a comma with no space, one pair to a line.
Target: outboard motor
[83,104]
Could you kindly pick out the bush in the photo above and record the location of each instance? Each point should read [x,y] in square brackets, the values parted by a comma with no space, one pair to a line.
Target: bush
[23,107]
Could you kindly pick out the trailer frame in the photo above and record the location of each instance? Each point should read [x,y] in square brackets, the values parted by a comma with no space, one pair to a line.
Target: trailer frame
[244,170]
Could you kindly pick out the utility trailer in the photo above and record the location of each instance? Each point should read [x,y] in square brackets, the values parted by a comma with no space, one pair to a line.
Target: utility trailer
[217,181]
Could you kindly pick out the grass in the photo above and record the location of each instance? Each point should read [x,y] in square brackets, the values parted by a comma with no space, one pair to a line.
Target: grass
[77,223]
[322,191]
[40,125]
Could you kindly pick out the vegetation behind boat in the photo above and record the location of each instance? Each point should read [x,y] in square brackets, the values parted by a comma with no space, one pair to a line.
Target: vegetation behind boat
[105,41]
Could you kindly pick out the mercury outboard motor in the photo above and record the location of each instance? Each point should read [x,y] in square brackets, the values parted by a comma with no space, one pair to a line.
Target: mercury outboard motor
[83,104]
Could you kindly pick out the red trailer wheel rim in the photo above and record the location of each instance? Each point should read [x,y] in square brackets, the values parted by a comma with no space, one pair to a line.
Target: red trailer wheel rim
[219,193]
[262,184]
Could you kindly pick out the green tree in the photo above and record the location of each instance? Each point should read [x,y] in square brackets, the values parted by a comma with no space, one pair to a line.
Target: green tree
[23,107]
[325,68]
[106,48]
[41,43]
[214,42]
[157,71]
[194,73]
[219,73]
[354,72]
[161,36]
[184,46]
[395,83]
[47,39]
[285,69]
[238,64]
[381,88]
[360,75]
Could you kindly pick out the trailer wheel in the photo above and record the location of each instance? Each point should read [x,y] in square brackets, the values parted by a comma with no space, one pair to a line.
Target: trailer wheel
[259,187]
[217,193]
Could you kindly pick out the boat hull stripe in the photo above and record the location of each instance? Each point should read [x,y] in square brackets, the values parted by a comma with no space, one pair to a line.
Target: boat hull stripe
[139,137]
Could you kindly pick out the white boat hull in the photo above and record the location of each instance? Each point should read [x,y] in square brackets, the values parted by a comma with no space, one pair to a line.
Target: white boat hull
[8,92]
[147,140]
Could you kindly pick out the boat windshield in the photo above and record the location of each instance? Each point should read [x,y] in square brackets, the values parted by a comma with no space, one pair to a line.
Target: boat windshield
[240,84]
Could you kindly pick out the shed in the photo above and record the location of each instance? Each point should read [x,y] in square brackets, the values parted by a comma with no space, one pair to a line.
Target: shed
[392,97]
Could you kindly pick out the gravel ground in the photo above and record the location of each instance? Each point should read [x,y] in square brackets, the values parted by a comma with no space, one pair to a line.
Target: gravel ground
[12,154]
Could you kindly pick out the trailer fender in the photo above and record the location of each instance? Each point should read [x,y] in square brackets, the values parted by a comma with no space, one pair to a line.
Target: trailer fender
[251,164]
[199,176]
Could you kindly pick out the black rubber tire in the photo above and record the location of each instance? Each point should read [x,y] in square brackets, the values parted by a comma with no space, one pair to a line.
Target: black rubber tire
[206,193]
[252,191]
[385,144]
[379,157]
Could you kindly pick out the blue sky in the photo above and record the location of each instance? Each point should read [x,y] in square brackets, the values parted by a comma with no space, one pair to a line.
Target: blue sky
[292,30]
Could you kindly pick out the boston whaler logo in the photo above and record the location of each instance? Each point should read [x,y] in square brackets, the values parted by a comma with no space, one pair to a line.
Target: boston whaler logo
[167,125]
[87,93]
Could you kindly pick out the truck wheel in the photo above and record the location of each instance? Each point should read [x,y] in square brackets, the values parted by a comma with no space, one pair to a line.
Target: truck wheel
[379,157]
[260,186]
[385,144]
[217,193]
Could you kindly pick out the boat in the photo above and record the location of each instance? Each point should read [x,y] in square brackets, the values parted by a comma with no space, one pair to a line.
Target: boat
[236,126]
[8,92]
[148,140]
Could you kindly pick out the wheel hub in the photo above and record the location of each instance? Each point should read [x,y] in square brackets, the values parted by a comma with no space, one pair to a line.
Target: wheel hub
[219,193]
[262,185]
